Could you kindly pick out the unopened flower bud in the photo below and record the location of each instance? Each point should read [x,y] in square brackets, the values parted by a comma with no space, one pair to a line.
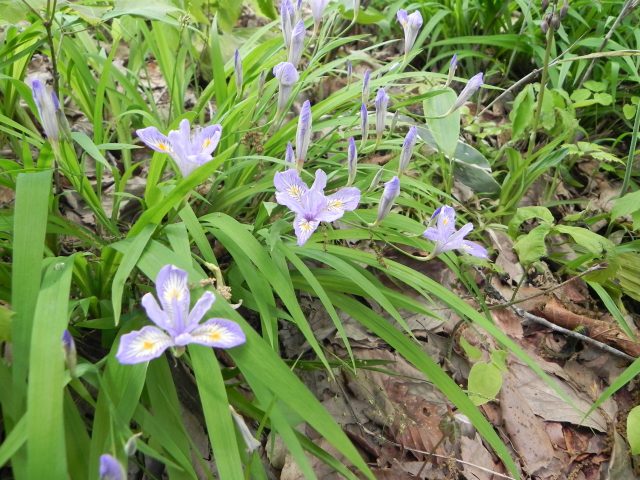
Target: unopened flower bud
[407,149]
[131,446]
[110,468]
[70,353]
[365,86]
[382,101]
[364,123]
[352,161]
[303,134]
[544,5]
[375,181]
[297,43]
[238,71]
[453,65]
[391,191]
[249,440]
[555,21]
[289,156]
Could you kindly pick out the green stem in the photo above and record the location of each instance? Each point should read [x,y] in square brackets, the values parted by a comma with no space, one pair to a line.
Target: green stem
[632,150]
[543,83]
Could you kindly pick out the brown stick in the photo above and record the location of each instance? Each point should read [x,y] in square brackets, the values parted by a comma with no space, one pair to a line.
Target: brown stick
[605,332]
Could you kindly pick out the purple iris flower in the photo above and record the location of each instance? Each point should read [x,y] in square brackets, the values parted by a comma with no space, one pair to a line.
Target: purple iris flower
[382,101]
[310,205]
[407,149]
[389,195]
[470,88]
[446,237]
[411,25]
[297,43]
[303,134]
[110,468]
[352,160]
[48,109]
[188,151]
[287,18]
[287,75]
[177,326]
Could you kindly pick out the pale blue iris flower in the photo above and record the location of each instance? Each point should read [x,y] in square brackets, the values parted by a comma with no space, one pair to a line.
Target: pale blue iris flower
[311,205]
[187,150]
[446,237]
[177,325]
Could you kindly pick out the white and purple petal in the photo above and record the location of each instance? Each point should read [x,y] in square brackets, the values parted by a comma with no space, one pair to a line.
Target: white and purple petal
[143,345]
[304,228]
[218,333]
[174,296]
[199,310]
[155,140]
[344,200]
[156,314]
[207,139]
[475,249]
[110,468]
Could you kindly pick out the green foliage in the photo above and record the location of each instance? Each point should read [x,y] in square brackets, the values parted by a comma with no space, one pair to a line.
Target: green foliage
[633,430]
[84,240]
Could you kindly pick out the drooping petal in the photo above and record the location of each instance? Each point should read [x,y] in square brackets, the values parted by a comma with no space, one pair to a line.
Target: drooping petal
[304,228]
[289,189]
[199,310]
[250,441]
[174,296]
[344,200]
[110,468]
[155,140]
[156,314]
[475,249]
[455,239]
[208,138]
[217,333]
[142,345]
[432,234]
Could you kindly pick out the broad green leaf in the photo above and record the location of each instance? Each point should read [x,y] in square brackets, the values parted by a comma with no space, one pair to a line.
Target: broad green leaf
[633,430]
[626,204]
[215,406]
[629,111]
[531,247]
[46,448]
[471,168]
[484,383]
[522,112]
[595,86]
[445,130]
[586,238]
[29,228]
[527,213]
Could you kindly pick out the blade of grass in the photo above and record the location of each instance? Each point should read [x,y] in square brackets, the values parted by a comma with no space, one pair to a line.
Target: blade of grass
[46,448]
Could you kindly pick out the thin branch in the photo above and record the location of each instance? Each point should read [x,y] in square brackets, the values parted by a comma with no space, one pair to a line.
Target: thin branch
[446,457]
[548,290]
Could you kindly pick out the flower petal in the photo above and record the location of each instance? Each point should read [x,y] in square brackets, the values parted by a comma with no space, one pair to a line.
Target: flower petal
[207,139]
[174,296]
[156,314]
[475,249]
[200,309]
[110,468]
[304,228]
[446,222]
[344,200]
[290,189]
[155,140]
[142,345]
[218,333]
